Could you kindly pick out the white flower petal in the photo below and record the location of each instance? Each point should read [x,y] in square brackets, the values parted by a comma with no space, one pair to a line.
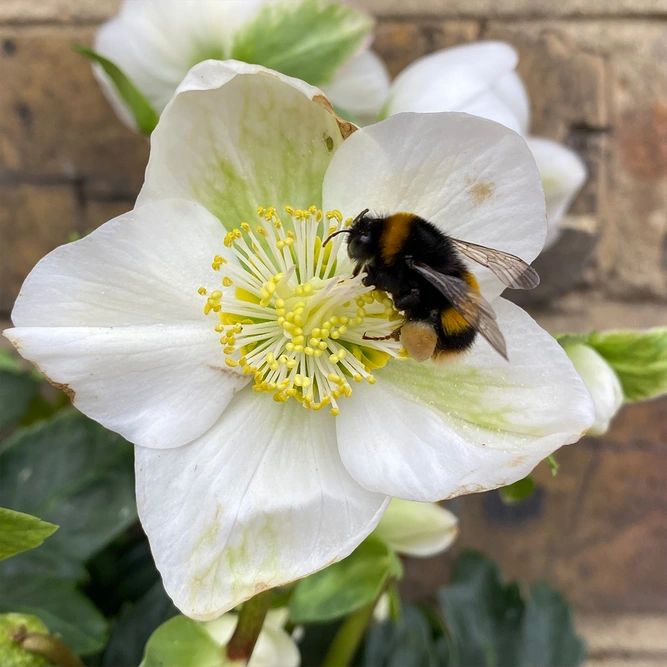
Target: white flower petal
[116,318]
[602,382]
[490,106]
[417,529]
[450,79]
[156,42]
[239,136]
[473,178]
[563,174]
[510,89]
[360,87]
[258,501]
[430,431]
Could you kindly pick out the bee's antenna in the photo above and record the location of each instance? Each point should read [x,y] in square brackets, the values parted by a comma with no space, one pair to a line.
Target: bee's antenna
[340,231]
[361,215]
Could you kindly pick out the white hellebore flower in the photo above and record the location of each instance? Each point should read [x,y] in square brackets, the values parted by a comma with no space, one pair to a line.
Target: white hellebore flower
[602,382]
[480,79]
[210,327]
[325,43]
[417,529]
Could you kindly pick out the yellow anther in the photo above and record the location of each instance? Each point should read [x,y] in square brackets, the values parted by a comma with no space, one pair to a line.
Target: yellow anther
[298,348]
[334,411]
[232,363]
[245,226]
[290,347]
[280,303]
[322,345]
[309,351]
[292,363]
[357,378]
[227,281]
[371,379]
[334,358]
[202,291]
[229,349]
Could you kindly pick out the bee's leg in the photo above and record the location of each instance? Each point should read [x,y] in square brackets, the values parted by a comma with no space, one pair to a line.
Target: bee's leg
[408,301]
[357,269]
[394,335]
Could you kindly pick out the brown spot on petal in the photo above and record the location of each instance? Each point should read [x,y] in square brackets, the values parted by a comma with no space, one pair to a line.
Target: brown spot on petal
[481,191]
[65,388]
[516,462]
[346,128]
[261,587]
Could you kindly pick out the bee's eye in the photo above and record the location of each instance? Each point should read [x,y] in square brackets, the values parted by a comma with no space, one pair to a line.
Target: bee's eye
[365,239]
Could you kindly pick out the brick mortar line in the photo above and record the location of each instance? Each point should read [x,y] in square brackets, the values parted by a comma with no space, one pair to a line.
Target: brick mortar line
[404,18]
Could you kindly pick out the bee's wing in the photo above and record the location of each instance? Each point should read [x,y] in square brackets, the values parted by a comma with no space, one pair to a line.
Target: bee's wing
[511,270]
[469,303]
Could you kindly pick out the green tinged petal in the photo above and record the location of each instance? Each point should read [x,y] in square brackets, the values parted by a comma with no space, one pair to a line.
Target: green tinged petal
[20,532]
[144,114]
[309,40]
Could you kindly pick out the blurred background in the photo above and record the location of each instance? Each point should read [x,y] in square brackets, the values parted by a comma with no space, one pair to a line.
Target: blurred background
[596,72]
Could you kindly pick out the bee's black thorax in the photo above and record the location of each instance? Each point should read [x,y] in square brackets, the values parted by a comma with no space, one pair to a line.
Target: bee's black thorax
[388,244]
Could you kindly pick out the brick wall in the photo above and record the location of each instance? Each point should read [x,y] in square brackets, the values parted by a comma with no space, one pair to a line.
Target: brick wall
[596,71]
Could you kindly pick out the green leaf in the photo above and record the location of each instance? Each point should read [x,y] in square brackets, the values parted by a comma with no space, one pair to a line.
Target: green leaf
[515,493]
[144,114]
[345,586]
[64,610]
[21,532]
[17,389]
[482,615]
[70,471]
[405,643]
[309,40]
[638,357]
[548,637]
[135,626]
[489,624]
[183,642]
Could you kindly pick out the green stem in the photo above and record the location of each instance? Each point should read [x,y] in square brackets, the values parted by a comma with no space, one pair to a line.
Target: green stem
[50,647]
[251,621]
[348,638]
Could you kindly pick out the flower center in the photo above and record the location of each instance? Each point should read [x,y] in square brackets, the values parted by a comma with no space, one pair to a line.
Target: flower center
[290,314]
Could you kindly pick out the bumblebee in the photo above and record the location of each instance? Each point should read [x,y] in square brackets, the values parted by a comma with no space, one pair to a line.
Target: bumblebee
[424,272]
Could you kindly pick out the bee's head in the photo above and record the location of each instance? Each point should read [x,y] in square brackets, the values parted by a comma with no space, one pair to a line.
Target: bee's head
[361,242]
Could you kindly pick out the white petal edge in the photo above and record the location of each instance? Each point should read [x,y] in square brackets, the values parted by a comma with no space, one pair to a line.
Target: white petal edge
[449,79]
[115,319]
[360,87]
[563,175]
[473,178]
[602,382]
[260,500]
[238,136]
[434,431]
[417,529]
